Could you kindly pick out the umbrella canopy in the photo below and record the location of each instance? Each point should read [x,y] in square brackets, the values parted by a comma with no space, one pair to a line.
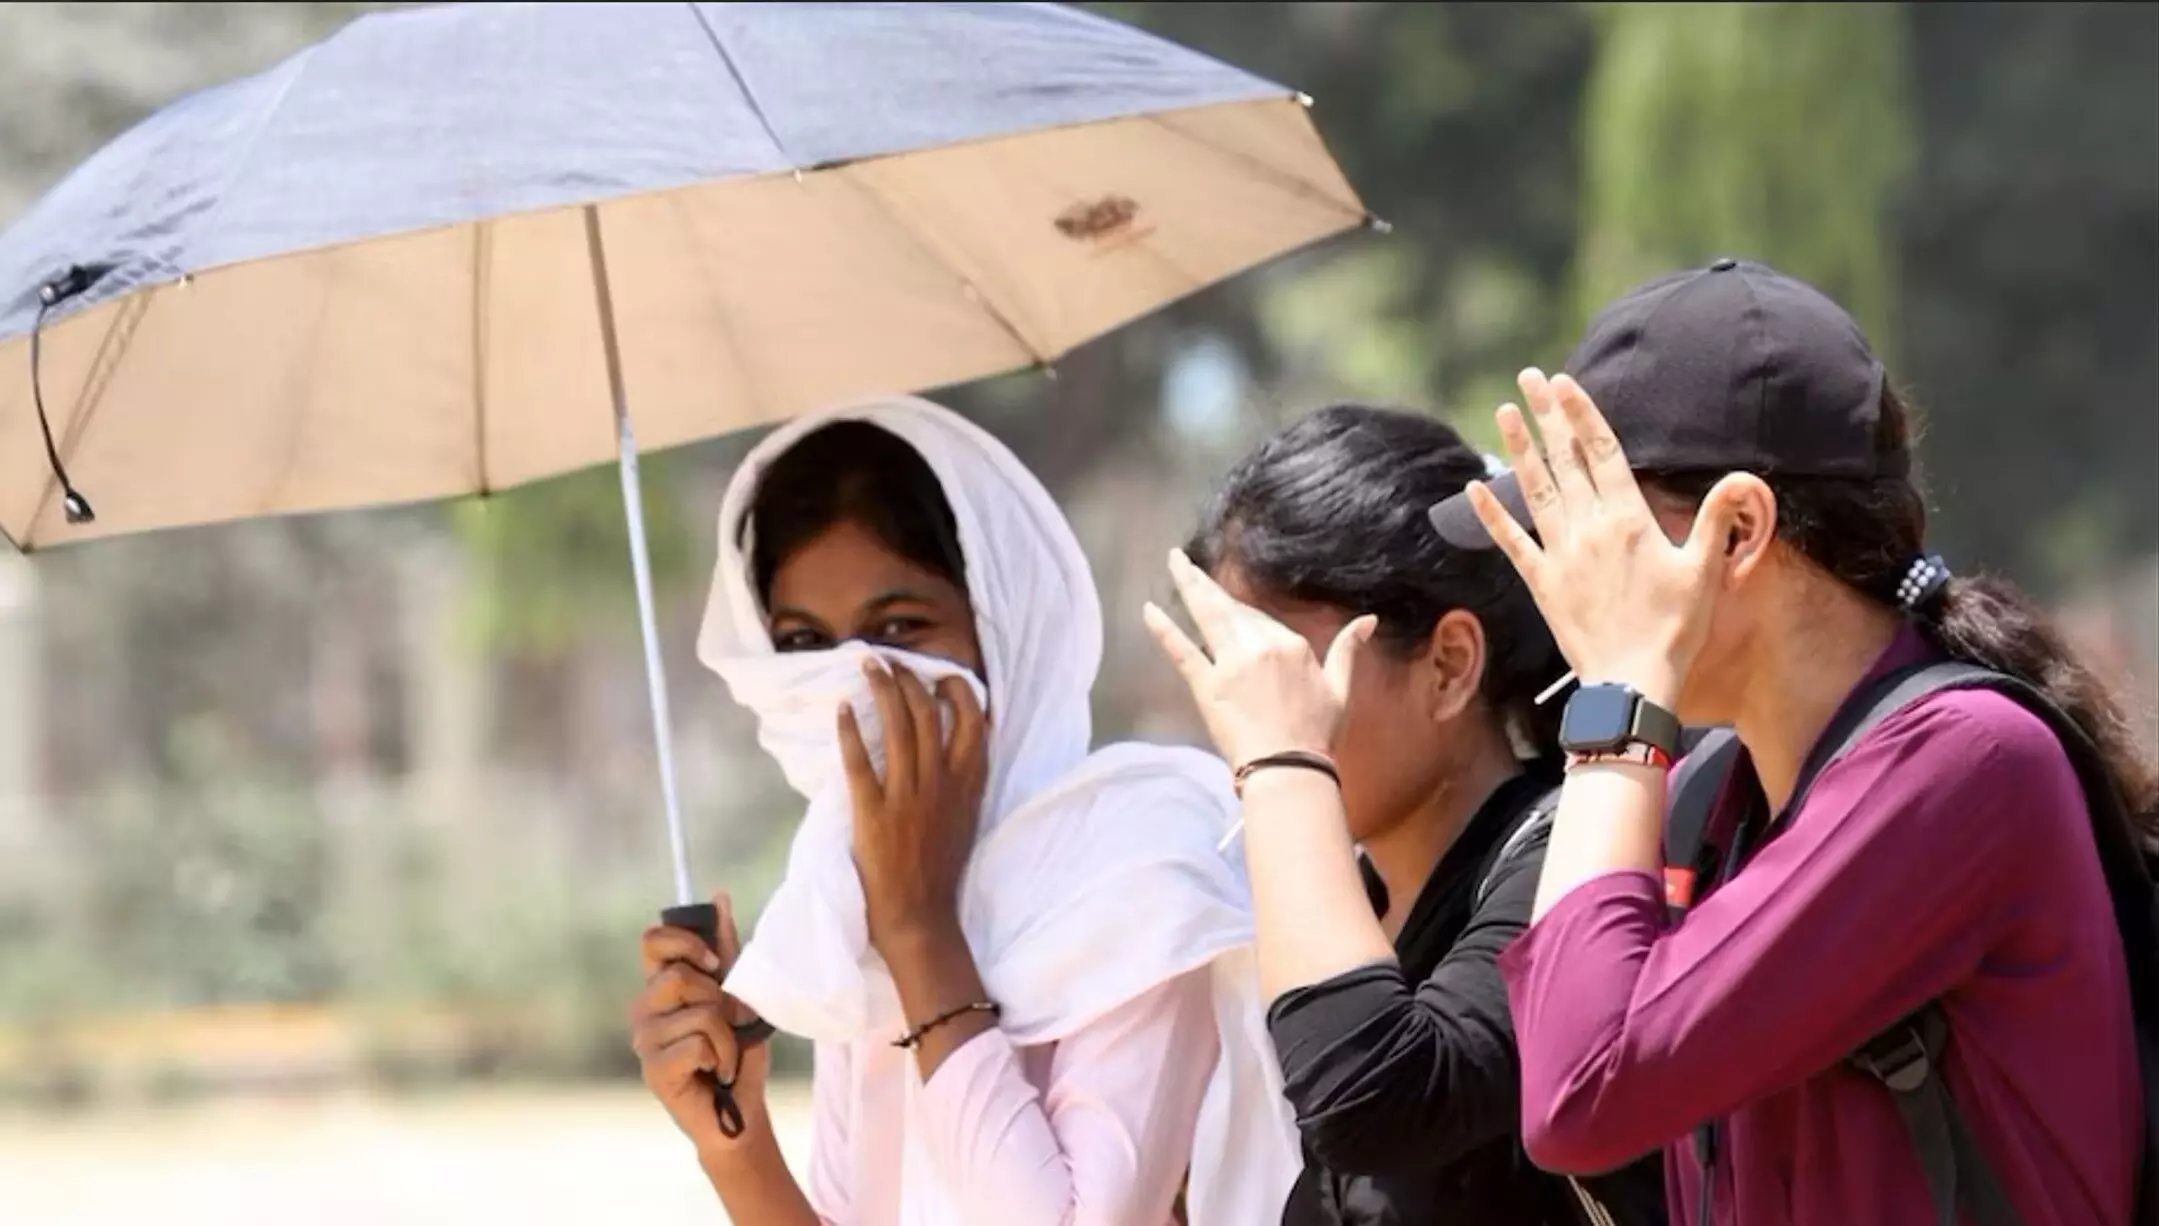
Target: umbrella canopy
[431,255]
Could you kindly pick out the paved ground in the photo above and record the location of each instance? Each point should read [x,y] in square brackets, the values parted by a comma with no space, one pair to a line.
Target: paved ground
[460,1159]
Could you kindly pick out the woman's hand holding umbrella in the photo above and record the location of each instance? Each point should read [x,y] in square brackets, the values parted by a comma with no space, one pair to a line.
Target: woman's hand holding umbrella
[682,1027]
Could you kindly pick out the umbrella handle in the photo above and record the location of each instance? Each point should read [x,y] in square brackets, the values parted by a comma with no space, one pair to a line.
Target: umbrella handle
[703,919]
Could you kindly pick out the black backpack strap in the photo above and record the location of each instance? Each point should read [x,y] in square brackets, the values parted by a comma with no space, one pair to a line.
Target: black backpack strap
[2125,857]
[1693,790]
[1906,1059]
[1909,1052]
[1888,695]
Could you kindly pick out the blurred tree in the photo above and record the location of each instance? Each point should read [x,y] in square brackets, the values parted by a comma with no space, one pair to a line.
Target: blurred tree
[1777,132]
[554,558]
[2031,282]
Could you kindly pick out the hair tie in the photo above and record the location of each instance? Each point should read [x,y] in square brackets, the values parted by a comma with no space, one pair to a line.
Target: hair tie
[1923,584]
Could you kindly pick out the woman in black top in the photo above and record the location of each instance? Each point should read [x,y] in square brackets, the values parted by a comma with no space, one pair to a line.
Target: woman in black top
[1389,1015]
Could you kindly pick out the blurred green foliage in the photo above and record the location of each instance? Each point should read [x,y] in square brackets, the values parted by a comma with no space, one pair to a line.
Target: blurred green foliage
[1780,132]
[554,558]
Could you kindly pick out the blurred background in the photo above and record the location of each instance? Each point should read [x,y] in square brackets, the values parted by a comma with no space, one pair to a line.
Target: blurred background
[324,844]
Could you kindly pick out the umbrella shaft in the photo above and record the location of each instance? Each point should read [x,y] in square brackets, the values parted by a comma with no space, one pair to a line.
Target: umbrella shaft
[655,675]
[633,509]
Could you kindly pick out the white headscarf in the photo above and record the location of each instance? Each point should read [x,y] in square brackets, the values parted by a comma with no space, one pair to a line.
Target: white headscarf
[1095,877]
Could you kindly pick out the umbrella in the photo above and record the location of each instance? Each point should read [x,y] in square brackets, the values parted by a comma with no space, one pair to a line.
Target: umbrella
[455,249]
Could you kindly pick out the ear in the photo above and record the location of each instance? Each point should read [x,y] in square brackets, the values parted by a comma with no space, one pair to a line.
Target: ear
[1749,512]
[1454,665]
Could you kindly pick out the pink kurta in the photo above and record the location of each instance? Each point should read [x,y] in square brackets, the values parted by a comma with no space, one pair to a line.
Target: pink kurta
[1093,1130]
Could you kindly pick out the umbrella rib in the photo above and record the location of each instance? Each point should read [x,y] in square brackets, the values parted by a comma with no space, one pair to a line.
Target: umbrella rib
[301,64]
[923,245]
[302,394]
[727,60]
[1280,177]
[723,318]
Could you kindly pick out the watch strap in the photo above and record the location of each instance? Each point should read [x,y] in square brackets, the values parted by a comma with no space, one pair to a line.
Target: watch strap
[1636,753]
[1656,727]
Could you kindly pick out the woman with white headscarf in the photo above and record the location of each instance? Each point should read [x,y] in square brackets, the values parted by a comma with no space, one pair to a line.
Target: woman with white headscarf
[1026,967]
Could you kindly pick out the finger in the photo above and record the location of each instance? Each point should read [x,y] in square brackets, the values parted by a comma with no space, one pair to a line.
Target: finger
[730,945]
[704,1022]
[659,1030]
[923,715]
[1512,539]
[899,728]
[1562,454]
[664,943]
[678,984]
[730,938]
[681,1060]
[1184,655]
[1341,660]
[1213,610]
[970,728]
[862,785]
[1599,448]
[715,1049]
[1546,510]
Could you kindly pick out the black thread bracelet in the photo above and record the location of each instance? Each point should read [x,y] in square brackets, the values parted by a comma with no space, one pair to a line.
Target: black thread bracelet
[913,1038]
[1300,759]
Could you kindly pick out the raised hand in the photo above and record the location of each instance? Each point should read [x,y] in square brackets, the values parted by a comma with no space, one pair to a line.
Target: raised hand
[914,829]
[1625,603]
[1258,684]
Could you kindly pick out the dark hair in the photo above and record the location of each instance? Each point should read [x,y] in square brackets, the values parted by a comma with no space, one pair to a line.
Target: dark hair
[1866,534]
[852,472]
[1331,511]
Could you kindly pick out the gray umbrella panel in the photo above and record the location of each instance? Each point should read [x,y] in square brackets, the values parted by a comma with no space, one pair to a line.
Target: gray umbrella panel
[534,106]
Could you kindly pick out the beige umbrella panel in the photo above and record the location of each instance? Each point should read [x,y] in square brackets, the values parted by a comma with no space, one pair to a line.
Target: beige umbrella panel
[382,372]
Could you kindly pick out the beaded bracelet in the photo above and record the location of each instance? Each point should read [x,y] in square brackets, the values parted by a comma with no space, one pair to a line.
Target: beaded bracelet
[913,1038]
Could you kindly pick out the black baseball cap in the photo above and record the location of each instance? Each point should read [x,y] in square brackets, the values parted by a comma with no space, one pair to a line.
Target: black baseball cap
[1734,367]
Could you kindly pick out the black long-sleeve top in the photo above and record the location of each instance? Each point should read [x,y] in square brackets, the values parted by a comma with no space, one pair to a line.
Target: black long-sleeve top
[1404,1075]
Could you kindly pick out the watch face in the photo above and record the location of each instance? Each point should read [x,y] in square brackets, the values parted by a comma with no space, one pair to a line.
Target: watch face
[1598,718]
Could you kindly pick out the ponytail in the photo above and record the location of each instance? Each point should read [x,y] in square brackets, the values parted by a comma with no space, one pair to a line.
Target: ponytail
[1988,622]
[1868,534]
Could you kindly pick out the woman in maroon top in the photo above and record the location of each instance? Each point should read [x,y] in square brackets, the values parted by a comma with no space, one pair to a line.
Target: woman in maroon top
[1734,538]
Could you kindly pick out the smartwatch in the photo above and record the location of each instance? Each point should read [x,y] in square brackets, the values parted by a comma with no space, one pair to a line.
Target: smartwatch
[1609,722]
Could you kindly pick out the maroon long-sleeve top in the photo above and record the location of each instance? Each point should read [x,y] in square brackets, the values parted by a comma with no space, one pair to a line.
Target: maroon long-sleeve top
[1947,855]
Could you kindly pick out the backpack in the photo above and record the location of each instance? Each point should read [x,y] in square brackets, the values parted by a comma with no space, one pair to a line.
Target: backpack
[1905,1059]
